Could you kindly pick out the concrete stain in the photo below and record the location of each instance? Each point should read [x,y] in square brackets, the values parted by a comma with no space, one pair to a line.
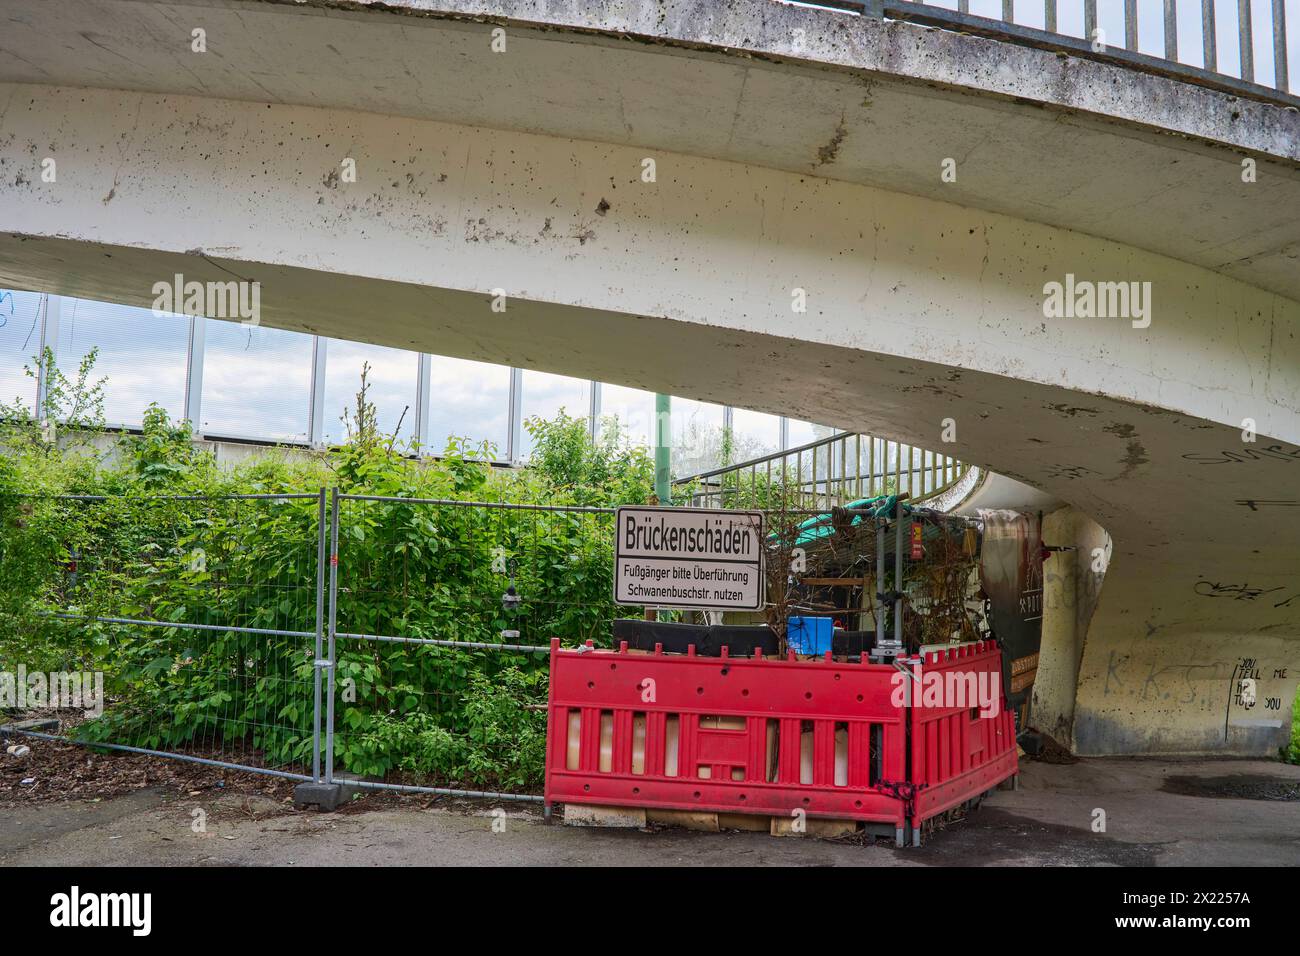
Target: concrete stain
[1134,458]
[1071,411]
[827,153]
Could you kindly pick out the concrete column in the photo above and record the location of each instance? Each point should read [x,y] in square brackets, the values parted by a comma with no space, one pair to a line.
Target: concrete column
[316,420]
[515,448]
[194,373]
[423,399]
[53,307]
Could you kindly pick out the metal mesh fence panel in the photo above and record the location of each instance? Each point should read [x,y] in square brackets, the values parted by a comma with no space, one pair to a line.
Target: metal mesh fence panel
[199,616]
[443,615]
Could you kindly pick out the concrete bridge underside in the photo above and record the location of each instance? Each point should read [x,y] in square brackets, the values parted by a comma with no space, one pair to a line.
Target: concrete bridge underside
[776,170]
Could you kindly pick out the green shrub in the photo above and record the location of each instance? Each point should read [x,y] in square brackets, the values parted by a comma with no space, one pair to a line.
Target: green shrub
[450,715]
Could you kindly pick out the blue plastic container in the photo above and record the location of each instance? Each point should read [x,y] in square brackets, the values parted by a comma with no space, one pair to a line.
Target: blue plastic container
[809,635]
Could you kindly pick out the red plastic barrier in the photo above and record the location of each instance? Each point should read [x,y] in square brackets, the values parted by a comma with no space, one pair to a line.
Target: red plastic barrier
[957,754]
[769,736]
[755,735]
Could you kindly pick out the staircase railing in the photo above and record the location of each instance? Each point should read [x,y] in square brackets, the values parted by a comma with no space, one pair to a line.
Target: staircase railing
[831,471]
[1169,40]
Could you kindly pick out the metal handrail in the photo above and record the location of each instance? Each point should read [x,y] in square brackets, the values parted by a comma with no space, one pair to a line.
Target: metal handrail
[1093,44]
[763,459]
[881,470]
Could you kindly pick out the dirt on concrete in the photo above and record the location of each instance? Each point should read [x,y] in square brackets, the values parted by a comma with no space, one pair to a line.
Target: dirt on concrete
[53,771]
[1051,751]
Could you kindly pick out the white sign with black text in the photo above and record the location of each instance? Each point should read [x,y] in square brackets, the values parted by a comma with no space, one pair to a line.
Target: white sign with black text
[689,557]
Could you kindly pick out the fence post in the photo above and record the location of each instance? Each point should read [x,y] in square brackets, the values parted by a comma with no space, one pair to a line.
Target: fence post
[1209,36]
[898,577]
[881,607]
[1171,30]
[1280,66]
[1246,40]
[317,663]
[333,621]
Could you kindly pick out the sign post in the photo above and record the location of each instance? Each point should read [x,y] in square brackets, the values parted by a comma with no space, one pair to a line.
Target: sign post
[689,558]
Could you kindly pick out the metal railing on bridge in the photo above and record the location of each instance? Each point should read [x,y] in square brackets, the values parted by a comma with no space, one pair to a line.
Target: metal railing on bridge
[1159,36]
[831,471]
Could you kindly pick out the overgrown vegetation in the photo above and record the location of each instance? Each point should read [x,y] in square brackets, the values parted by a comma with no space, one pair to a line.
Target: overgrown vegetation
[155,537]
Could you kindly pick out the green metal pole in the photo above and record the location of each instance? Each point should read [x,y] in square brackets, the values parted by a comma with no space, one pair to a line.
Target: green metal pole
[663,448]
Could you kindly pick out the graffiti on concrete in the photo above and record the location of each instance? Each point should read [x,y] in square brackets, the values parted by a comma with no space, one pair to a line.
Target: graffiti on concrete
[1181,684]
[1113,667]
[1270,453]
[1257,695]
[1280,596]
[1174,682]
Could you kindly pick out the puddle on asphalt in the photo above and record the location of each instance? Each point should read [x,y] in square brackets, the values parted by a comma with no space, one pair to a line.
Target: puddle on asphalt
[993,835]
[1241,786]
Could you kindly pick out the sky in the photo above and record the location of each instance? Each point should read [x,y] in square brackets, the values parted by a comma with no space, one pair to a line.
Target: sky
[257,384]
[20,339]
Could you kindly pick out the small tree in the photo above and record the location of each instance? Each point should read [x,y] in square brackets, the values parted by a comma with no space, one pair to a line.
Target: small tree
[76,405]
[370,457]
[608,471]
[163,453]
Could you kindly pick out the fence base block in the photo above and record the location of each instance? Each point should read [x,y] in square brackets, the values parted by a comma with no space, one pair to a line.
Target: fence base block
[703,821]
[813,827]
[592,815]
[744,821]
[327,796]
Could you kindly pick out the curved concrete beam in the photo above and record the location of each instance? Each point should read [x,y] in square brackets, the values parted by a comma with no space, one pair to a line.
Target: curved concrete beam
[1089,146]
